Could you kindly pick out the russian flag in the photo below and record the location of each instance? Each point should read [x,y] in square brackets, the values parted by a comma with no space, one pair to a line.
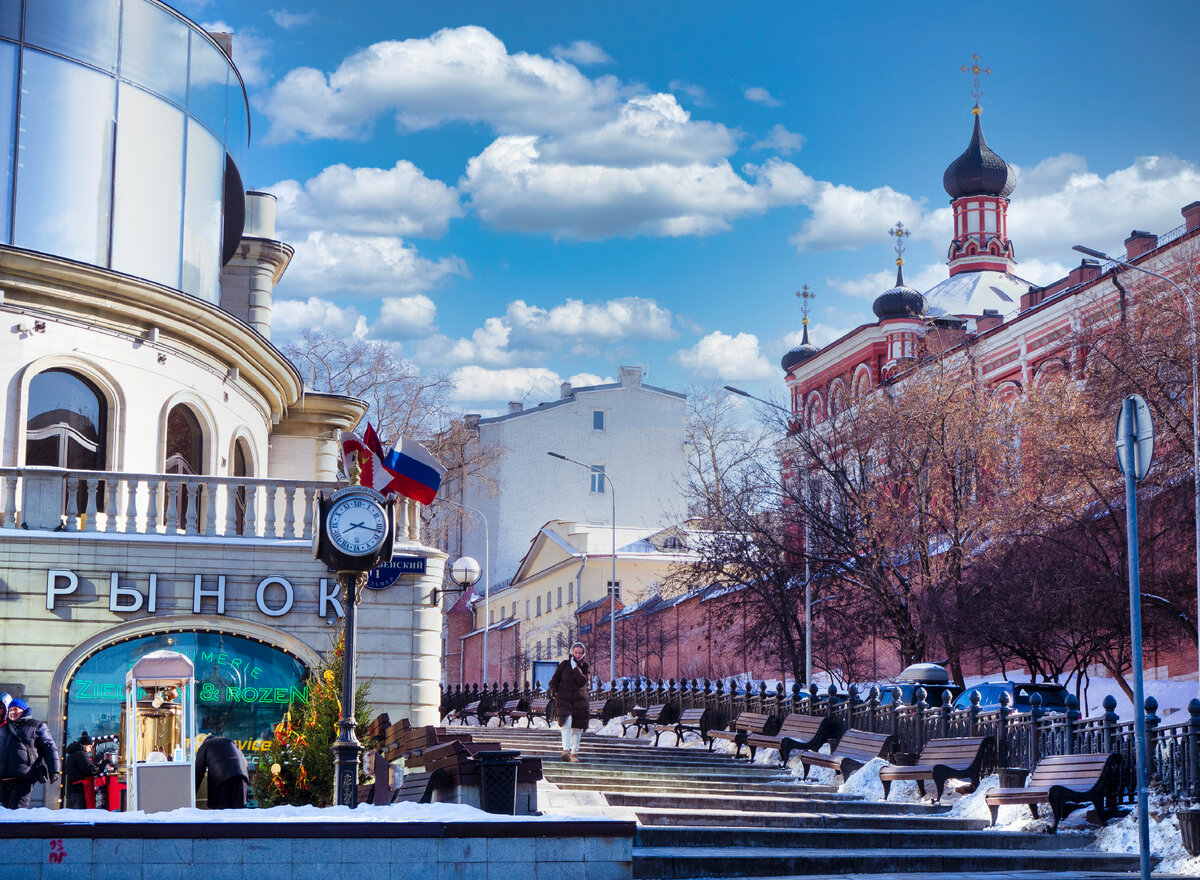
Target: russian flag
[417,473]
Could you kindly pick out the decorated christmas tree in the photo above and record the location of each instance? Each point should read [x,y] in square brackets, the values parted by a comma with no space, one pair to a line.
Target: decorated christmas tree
[297,769]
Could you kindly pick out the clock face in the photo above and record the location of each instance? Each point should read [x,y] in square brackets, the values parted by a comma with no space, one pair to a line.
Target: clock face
[356,525]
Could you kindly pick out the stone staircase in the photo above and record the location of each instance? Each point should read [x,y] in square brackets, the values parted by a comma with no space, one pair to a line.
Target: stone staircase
[701,814]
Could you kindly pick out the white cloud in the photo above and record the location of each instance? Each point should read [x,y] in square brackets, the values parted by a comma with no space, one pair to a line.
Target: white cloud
[696,94]
[525,333]
[461,73]
[780,139]
[474,383]
[1080,207]
[872,284]
[845,218]
[580,380]
[582,52]
[721,356]
[290,20]
[364,265]
[1042,272]
[368,201]
[759,95]
[291,316]
[250,51]
[513,187]
[405,317]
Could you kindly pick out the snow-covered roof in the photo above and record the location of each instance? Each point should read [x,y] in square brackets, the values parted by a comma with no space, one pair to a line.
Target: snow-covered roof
[971,293]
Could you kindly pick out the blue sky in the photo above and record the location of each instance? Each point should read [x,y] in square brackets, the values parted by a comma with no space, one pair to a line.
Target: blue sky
[518,194]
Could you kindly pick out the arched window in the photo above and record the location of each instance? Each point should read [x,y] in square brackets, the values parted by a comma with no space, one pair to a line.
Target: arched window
[240,468]
[67,425]
[184,453]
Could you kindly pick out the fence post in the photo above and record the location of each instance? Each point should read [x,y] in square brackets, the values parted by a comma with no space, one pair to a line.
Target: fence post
[813,702]
[1035,716]
[973,714]
[1002,730]
[944,715]
[919,701]
[1072,723]
[795,706]
[779,700]
[831,700]
[1194,747]
[894,706]
[1110,723]
[873,709]
[1152,720]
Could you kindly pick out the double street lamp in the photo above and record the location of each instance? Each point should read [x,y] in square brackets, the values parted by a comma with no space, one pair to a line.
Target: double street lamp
[1187,301]
[808,602]
[612,587]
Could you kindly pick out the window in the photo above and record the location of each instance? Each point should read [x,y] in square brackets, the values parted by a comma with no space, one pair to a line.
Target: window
[672,543]
[597,476]
[597,420]
[185,445]
[559,604]
[527,615]
[548,654]
[491,617]
[570,592]
[539,606]
[68,422]
[549,604]
[617,590]
[537,651]
[560,644]
[514,611]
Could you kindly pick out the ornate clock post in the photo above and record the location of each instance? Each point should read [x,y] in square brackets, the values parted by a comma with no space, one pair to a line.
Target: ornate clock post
[352,534]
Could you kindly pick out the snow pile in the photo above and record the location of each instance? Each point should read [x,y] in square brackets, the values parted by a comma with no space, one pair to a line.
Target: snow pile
[1165,841]
[399,813]
[864,782]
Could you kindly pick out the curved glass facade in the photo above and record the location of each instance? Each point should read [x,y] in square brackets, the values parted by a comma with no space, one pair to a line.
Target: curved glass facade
[245,686]
[118,115]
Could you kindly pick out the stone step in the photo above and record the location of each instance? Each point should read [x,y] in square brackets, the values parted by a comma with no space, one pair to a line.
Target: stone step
[699,774]
[854,838]
[750,820]
[573,782]
[651,863]
[768,804]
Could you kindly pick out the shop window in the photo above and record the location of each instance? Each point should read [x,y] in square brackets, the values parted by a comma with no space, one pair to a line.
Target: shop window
[243,686]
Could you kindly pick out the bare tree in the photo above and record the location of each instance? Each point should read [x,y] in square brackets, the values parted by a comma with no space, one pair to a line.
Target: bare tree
[721,443]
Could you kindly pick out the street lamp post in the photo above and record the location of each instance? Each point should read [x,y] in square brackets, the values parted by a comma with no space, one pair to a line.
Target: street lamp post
[1187,301]
[487,580]
[808,602]
[612,589]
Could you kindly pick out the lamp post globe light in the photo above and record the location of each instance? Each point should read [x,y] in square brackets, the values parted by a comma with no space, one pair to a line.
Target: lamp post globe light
[808,602]
[465,572]
[1187,301]
[612,587]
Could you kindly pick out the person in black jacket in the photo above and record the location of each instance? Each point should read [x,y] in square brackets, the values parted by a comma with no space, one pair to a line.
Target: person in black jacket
[228,774]
[27,755]
[569,686]
[78,769]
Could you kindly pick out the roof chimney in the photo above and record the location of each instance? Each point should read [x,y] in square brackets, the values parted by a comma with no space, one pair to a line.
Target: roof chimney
[990,318]
[1191,215]
[631,377]
[1139,243]
[515,406]
[564,390]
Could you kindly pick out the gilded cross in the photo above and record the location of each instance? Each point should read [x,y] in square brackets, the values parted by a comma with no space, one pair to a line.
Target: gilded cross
[899,233]
[976,70]
[805,295]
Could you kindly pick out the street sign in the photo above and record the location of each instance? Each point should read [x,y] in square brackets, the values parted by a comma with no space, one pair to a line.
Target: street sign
[387,574]
[1135,420]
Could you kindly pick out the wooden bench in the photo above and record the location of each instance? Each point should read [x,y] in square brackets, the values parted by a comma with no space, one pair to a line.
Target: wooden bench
[949,758]
[1066,782]
[596,709]
[855,748]
[797,731]
[465,712]
[536,709]
[503,713]
[745,725]
[644,719]
[691,721]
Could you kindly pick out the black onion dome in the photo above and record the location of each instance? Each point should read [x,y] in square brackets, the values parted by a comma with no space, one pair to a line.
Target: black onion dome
[900,301]
[800,353]
[978,171]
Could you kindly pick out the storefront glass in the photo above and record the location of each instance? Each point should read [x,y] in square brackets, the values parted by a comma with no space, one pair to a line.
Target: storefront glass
[244,686]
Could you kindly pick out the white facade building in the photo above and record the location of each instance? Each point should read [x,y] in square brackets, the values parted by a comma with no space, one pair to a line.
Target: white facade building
[632,431]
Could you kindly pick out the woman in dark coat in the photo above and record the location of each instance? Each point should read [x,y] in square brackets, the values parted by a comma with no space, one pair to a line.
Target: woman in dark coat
[569,686]
[79,768]
[228,773]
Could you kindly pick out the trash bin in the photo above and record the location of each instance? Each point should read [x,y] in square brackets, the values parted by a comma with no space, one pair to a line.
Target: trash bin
[1189,830]
[498,781]
[1012,777]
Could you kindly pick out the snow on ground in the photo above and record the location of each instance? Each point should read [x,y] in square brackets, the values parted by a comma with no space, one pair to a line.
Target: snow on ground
[403,812]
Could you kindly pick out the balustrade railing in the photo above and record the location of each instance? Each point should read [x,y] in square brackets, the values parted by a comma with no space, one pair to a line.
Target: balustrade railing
[1022,739]
[170,504]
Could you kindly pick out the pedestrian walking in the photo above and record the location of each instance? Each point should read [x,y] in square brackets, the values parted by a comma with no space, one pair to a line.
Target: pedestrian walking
[28,755]
[569,686]
[228,773]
